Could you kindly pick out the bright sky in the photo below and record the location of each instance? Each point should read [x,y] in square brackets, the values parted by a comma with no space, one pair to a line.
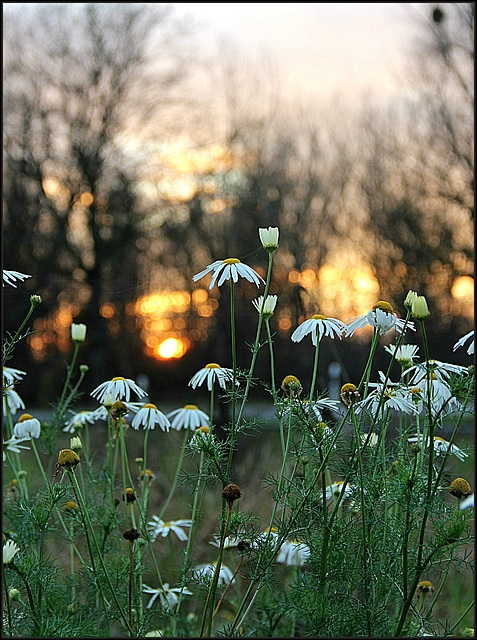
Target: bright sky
[321,48]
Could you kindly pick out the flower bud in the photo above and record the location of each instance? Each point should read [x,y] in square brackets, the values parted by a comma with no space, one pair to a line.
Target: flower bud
[419,308]
[130,495]
[14,595]
[78,332]
[269,238]
[460,488]
[35,299]
[72,609]
[349,394]
[131,534]
[231,493]
[76,444]
[291,386]
[411,295]
[83,368]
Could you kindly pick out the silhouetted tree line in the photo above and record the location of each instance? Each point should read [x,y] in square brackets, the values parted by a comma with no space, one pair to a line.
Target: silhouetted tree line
[86,85]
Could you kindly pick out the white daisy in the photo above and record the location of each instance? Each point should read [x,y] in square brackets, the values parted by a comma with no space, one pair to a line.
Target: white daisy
[13,445]
[312,410]
[319,326]
[212,373]
[441,369]
[467,502]
[12,276]
[207,571]
[117,389]
[463,340]
[79,420]
[336,488]
[294,553]
[381,317]
[440,393]
[157,526]
[188,417]
[269,237]
[404,354]
[270,535]
[12,400]
[229,543]
[266,307]
[441,446]
[27,427]
[168,596]
[148,416]
[10,376]
[10,549]
[390,397]
[229,268]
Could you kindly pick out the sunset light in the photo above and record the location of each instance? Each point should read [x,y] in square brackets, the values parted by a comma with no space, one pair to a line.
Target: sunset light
[171,348]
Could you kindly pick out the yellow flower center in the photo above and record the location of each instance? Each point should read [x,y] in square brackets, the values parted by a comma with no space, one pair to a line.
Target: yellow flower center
[203,429]
[231,261]
[287,380]
[191,407]
[118,378]
[150,406]
[349,387]
[67,458]
[212,365]
[25,416]
[432,377]
[384,306]
[317,316]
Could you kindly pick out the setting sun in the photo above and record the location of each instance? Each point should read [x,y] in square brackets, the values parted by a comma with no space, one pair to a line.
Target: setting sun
[171,348]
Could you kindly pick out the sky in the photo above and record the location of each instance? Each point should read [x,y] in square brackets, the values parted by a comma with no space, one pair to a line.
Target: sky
[321,48]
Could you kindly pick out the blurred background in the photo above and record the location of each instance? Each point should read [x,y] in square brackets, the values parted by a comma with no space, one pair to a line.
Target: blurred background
[143,141]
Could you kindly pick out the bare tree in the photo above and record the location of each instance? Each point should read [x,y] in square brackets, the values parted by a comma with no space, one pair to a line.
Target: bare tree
[81,84]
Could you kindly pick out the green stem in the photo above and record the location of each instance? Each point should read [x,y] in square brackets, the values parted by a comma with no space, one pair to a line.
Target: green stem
[11,344]
[90,529]
[176,476]
[69,372]
[315,369]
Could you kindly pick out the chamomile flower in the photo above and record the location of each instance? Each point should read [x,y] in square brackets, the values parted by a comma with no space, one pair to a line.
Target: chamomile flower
[336,488]
[27,427]
[188,417]
[10,376]
[441,446]
[381,317]
[12,276]
[212,373]
[157,526]
[267,306]
[442,370]
[148,416]
[319,326]
[229,543]
[101,413]
[389,397]
[229,268]
[293,553]
[12,401]
[118,389]
[14,445]
[167,596]
[270,536]
[79,420]
[207,571]
[10,549]
[461,342]
[467,502]
[404,354]
[441,398]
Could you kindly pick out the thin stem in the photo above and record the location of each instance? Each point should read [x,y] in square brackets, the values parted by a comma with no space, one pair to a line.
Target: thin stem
[315,368]
[69,372]
[176,476]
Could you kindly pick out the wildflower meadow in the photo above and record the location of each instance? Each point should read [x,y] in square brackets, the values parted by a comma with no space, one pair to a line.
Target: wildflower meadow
[130,520]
